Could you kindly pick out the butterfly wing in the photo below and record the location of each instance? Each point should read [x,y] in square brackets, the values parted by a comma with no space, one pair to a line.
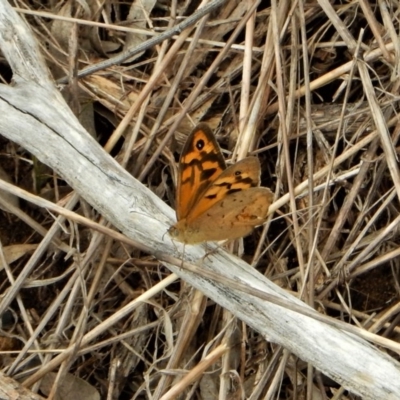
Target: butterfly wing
[237,177]
[214,202]
[200,164]
[230,218]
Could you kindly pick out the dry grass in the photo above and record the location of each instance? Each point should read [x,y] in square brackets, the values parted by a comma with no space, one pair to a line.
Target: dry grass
[325,128]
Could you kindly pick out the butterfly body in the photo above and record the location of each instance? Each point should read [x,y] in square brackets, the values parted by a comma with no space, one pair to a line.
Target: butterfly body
[214,202]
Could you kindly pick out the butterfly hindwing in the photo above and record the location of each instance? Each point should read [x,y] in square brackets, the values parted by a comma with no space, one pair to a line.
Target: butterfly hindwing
[232,217]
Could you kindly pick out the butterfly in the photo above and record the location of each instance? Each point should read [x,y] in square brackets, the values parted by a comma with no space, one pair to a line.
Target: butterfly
[215,202]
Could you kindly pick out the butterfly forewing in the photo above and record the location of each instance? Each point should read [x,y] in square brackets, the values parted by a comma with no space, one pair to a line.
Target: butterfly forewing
[237,177]
[200,164]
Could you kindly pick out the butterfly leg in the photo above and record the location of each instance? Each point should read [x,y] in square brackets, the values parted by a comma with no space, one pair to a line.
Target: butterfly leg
[212,251]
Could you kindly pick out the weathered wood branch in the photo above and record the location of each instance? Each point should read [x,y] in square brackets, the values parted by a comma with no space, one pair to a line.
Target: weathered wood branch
[11,389]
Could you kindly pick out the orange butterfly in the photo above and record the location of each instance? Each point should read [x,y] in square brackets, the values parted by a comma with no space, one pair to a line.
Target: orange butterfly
[214,202]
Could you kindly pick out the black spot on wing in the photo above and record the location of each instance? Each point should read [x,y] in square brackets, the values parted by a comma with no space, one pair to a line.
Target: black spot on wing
[248,181]
[207,173]
[230,186]
[201,165]
[230,191]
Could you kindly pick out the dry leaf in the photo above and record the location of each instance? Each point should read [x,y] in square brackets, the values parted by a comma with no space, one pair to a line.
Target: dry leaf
[138,12]
[71,387]
[14,252]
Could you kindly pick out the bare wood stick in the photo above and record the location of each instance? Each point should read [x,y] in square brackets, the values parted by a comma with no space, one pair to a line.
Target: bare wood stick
[11,389]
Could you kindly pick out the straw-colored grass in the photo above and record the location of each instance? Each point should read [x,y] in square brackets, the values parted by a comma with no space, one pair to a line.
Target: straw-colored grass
[311,89]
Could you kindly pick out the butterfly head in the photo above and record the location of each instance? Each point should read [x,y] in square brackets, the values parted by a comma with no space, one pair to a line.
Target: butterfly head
[183,233]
